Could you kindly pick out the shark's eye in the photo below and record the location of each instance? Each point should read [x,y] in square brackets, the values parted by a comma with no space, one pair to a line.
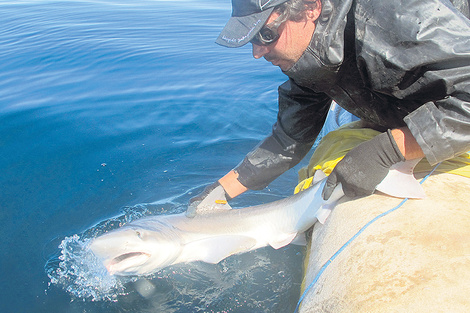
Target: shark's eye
[138,234]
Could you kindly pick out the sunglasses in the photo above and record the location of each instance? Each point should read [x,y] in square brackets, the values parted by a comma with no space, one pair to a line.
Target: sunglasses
[267,35]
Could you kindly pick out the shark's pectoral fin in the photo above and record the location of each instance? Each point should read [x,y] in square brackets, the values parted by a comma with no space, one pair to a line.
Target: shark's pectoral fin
[401,183]
[214,250]
[282,240]
[300,240]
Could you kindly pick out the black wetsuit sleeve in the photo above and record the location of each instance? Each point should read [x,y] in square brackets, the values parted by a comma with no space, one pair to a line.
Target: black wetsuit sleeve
[417,53]
[301,116]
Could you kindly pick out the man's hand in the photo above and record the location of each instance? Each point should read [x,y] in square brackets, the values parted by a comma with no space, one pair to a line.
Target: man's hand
[215,190]
[223,190]
[364,167]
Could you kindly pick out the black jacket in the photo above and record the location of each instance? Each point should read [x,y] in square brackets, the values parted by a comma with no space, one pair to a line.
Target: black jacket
[391,63]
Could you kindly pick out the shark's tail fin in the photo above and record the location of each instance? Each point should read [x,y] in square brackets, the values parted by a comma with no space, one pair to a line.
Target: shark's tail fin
[401,183]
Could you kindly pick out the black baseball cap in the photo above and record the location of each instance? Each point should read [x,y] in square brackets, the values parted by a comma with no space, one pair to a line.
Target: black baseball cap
[248,16]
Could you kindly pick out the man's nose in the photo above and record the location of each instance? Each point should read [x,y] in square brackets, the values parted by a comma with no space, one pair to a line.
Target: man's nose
[259,51]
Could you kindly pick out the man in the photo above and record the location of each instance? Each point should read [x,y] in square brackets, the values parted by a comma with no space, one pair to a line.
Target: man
[403,67]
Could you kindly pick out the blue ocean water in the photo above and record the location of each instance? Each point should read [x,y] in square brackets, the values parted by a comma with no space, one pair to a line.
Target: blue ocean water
[110,110]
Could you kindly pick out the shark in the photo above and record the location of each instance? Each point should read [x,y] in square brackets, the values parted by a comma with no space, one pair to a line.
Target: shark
[146,245]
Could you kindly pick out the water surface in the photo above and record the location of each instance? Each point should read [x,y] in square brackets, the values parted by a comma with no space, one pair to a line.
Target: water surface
[110,110]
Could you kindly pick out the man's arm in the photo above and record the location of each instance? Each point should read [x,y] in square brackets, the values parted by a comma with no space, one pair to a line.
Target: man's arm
[231,184]
[273,156]
[402,136]
[301,116]
[407,143]
[431,71]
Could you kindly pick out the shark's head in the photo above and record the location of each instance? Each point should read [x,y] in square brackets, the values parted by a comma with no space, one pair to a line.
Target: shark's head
[135,250]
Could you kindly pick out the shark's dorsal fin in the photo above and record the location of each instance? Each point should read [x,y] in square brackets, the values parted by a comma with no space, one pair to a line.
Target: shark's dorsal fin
[215,201]
[401,183]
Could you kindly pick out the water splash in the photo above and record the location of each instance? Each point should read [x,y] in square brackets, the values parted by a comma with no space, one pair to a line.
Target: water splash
[81,274]
[78,271]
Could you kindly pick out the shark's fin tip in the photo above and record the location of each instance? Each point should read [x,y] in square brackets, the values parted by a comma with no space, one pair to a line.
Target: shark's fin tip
[318,176]
[282,240]
[401,183]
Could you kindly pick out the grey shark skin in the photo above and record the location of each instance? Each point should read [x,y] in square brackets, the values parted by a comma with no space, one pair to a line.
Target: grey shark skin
[146,245]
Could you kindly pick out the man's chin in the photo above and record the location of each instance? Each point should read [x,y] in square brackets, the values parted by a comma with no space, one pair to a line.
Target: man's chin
[285,67]
[282,64]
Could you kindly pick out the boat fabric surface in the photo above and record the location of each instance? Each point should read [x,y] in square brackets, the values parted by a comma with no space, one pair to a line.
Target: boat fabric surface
[416,259]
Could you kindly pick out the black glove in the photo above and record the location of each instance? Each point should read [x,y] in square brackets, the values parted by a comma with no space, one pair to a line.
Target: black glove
[364,167]
[215,188]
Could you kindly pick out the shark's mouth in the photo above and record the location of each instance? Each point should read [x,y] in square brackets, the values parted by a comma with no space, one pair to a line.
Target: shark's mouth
[127,262]
[125,256]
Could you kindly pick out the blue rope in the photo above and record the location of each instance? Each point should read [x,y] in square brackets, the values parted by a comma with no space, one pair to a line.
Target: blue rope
[323,268]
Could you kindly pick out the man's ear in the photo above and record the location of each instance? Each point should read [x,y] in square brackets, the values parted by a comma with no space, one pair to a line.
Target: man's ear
[313,10]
